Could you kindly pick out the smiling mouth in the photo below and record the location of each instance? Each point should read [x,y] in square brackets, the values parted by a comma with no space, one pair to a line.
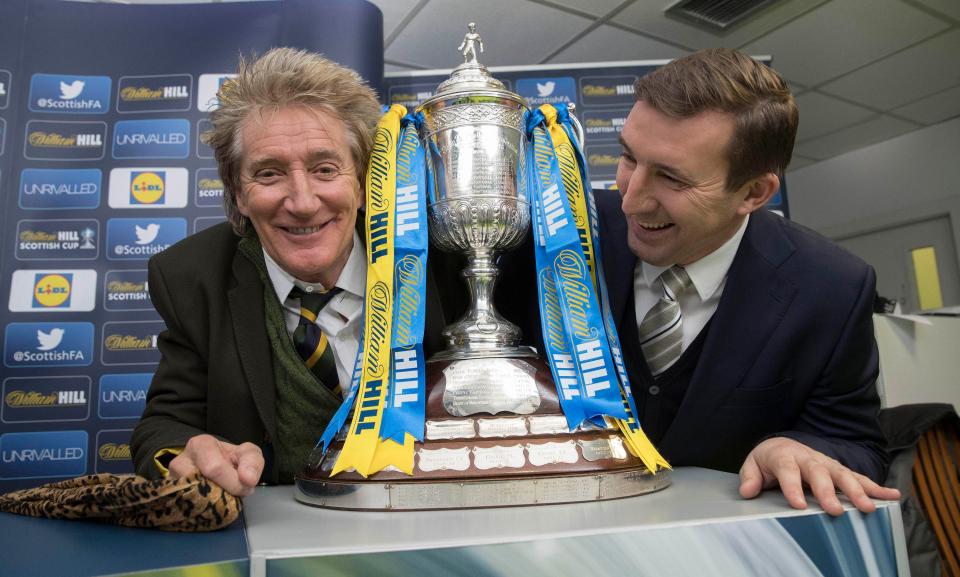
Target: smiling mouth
[654,225]
[303,230]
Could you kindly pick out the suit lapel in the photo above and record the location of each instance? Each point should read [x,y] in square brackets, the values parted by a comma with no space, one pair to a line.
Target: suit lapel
[249,322]
[755,299]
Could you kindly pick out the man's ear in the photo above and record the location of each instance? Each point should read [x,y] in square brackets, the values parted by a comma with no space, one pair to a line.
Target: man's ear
[758,192]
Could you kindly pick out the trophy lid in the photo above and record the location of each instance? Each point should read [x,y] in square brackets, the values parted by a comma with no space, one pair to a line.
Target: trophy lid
[470,77]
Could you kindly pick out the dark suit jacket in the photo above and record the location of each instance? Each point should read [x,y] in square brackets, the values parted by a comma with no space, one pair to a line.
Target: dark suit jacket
[790,349]
[216,371]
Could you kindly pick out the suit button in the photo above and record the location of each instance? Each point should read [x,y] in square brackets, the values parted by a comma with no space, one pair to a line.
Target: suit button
[654,390]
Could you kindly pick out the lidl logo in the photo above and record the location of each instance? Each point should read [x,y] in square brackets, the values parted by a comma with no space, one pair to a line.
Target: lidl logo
[148,187]
[43,454]
[170,92]
[69,239]
[126,290]
[65,141]
[69,94]
[155,138]
[53,290]
[4,88]
[556,90]
[113,452]
[139,239]
[40,399]
[207,88]
[607,90]
[48,344]
[68,189]
[123,396]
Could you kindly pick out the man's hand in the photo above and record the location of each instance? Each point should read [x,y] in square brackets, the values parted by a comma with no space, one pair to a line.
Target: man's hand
[236,468]
[792,464]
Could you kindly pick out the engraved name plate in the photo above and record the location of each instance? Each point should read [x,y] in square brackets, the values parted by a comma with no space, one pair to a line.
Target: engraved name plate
[609,448]
[499,457]
[552,453]
[453,429]
[548,425]
[499,493]
[444,459]
[508,427]
[489,386]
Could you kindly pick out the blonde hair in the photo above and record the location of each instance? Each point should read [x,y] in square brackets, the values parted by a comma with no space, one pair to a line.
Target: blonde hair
[287,77]
[725,80]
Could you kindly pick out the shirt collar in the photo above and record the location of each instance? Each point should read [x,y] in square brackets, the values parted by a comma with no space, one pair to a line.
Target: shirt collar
[352,278]
[706,274]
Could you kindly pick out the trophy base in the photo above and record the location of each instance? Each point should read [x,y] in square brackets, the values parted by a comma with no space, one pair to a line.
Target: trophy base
[472,494]
[495,436]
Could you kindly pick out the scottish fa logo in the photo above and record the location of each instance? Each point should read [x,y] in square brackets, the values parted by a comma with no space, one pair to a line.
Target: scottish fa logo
[49,340]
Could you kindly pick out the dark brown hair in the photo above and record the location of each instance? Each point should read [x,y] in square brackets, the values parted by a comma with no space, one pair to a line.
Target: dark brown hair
[725,80]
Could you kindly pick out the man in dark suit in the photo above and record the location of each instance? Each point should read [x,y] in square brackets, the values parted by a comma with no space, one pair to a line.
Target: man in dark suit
[748,338]
[233,395]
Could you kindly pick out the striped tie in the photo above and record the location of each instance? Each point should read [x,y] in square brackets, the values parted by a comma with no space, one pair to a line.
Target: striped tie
[309,340]
[661,332]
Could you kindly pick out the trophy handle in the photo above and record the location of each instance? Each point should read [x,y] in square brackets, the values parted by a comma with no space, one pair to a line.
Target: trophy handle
[577,127]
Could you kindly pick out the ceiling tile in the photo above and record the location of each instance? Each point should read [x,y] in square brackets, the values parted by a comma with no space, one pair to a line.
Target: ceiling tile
[865,134]
[393,12]
[797,161]
[820,114]
[840,36]
[933,109]
[648,17]
[949,8]
[607,44]
[595,7]
[513,32]
[904,77]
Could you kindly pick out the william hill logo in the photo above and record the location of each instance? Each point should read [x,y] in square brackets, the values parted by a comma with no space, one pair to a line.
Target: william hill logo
[142,93]
[603,160]
[41,139]
[154,93]
[114,451]
[127,342]
[29,398]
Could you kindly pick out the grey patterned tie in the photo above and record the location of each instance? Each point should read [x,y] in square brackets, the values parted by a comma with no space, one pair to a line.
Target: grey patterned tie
[661,332]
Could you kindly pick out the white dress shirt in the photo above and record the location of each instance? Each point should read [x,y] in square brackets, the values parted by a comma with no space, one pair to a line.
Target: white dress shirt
[342,319]
[708,276]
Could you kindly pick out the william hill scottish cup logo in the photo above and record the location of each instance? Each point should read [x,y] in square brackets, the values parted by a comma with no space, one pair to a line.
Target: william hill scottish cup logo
[69,94]
[154,93]
[57,239]
[35,399]
[155,138]
[67,140]
[53,290]
[126,290]
[148,187]
[48,344]
[604,124]
[209,188]
[141,238]
[67,189]
[131,342]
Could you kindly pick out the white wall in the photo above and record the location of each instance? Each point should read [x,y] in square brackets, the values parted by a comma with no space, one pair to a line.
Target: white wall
[905,179]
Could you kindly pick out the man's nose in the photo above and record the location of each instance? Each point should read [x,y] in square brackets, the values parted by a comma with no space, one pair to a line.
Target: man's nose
[302,198]
[638,196]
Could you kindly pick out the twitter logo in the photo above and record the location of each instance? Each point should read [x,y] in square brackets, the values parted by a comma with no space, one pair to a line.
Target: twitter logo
[148,234]
[51,340]
[546,88]
[72,90]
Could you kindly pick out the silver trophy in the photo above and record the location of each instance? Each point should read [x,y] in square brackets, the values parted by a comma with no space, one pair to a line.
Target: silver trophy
[495,432]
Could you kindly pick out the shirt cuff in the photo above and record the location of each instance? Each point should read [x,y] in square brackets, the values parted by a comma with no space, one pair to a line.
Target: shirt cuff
[163,457]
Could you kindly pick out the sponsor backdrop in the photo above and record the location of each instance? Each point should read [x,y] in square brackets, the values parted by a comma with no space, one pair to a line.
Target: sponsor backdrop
[101,167]
[602,93]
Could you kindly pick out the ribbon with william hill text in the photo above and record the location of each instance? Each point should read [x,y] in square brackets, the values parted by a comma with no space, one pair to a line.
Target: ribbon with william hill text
[571,280]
